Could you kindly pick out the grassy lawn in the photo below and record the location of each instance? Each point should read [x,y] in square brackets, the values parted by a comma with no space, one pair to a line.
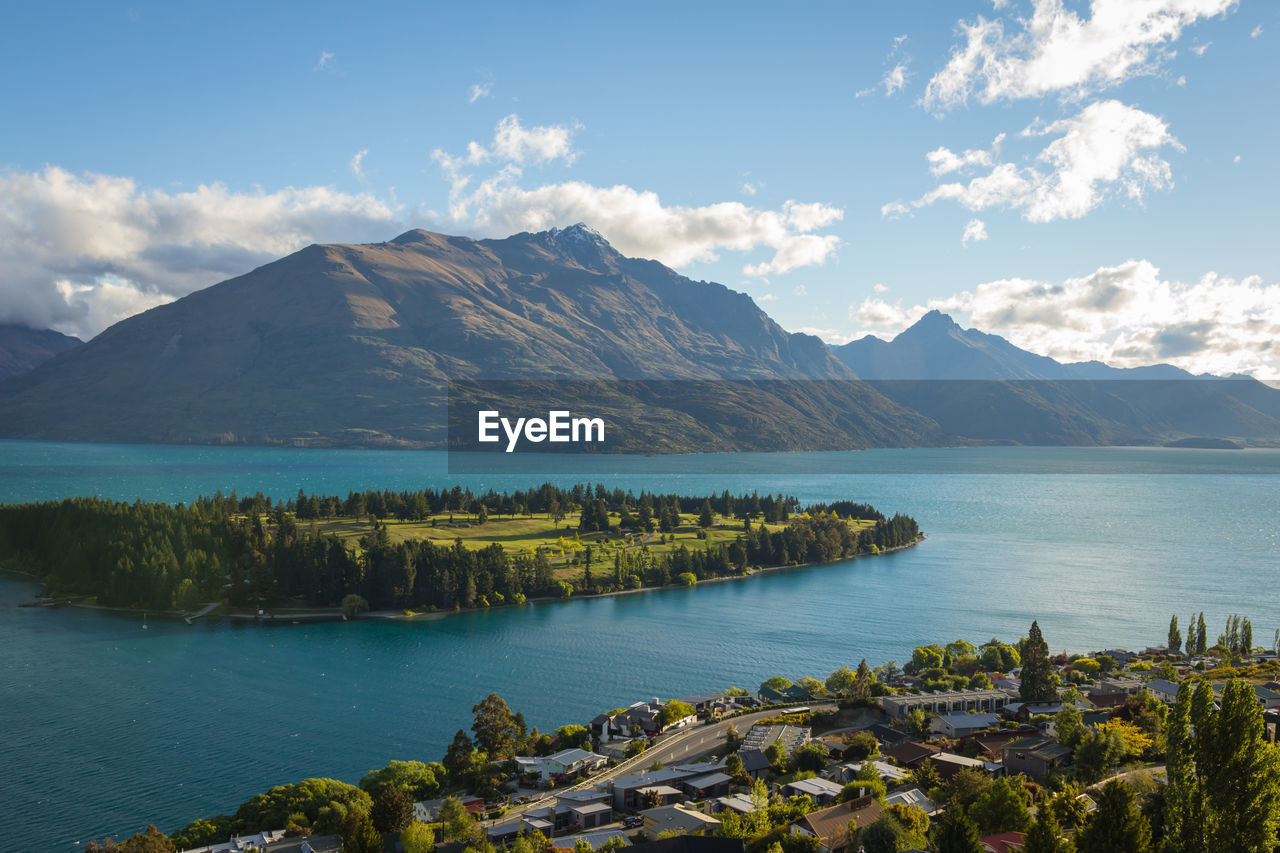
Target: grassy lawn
[561,542]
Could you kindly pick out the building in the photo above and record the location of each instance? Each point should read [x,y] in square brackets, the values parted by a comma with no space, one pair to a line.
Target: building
[831,825]
[822,791]
[1165,691]
[897,707]
[949,764]
[628,790]
[1110,692]
[889,773]
[1004,842]
[1037,757]
[275,841]
[569,762]
[594,840]
[754,763]
[913,796]
[715,784]
[1268,699]
[960,724]
[911,754]
[790,738]
[678,819]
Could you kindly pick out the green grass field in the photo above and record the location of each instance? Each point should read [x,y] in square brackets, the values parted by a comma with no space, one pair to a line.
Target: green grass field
[524,534]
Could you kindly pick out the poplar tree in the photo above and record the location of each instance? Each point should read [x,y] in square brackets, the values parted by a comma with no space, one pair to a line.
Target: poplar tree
[1175,635]
[1202,645]
[1117,826]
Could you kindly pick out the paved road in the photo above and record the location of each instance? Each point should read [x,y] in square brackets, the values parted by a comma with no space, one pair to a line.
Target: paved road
[673,748]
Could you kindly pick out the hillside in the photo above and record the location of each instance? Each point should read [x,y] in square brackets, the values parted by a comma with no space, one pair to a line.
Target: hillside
[23,349]
[352,345]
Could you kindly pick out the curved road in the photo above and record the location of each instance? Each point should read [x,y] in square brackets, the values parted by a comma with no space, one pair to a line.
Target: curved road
[674,748]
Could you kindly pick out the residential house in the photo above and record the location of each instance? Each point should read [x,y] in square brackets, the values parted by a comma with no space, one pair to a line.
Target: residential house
[898,706]
[1037,757]
[913,796]
[587,809]
[594,840]
[1110,692]
[754,763]
[790,738]
[887,772]
[1165,691]
[785,695]
[831,825]
[822,791]
[714,784]
[911,754]
[960,724]
[740,803]
[1268,699]
[627,790]
[949,764]
[679,819]
[887,736]
[569,762]
[691,844]
[1004,842]
[275,841]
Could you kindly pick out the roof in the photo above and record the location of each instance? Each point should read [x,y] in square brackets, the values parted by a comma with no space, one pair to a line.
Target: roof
[961,720]
[585,796]
[595,840]
[830,824]
[653,777]
[662,791]
[911,751]
[667,818]
[313,844]
[753,760]
[1004,842]
[962,760]
[572,756]
[708,781]
[883,768]
[1162,685]
[885,734]
[816,787]
[912,797]
[1041,747]
[591,808]
[692,844]
[740,803]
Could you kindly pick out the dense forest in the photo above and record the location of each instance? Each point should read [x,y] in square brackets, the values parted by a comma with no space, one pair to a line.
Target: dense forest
[256,551]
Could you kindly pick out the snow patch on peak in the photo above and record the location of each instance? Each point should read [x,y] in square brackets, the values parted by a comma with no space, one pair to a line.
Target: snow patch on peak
[579,233]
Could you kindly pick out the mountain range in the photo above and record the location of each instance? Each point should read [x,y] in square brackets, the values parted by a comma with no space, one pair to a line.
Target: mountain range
[355,345]
[23,349]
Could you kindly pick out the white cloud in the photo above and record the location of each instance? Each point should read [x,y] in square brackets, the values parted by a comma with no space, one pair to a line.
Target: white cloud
[79,252]
[1182,80]
[862,93]
[975,230]
[768,297]
[1255,32]
[478,90]
[1199,49]
[801,290]
[323,62]
[749,188]
[1108,149]
[1056,51]
[894,79]
[1127,315]
[943,160]
[830,336]
[634,221]
[357,163]
[880,288]
[1235,159]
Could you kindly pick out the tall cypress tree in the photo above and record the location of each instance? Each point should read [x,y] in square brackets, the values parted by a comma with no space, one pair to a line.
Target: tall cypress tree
[1117,826]
[1202,643]
[1175,635]
[1037,672]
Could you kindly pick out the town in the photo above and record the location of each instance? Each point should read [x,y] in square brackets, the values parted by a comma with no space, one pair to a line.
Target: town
[993,748]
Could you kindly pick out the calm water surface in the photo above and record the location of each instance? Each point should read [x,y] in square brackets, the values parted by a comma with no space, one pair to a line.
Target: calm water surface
[108,726]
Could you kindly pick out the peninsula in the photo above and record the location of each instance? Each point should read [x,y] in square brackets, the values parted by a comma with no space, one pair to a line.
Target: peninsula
[410,552]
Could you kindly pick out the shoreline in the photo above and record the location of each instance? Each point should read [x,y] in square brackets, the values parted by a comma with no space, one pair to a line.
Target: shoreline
[313,615]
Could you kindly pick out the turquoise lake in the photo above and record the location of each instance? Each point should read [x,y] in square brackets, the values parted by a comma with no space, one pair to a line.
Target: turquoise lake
[107,726]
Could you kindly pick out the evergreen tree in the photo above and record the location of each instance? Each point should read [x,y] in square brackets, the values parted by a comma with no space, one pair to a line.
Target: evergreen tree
[1045,836]
[705,518]
[1175,635]
[1117,826]
[457,758]
[956,833]
[1037,671]
[862,679]
[1001,809]
[392,810]
[1202,643]
[1246,637]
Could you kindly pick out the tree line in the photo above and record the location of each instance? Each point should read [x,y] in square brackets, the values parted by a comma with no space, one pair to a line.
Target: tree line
[253,551]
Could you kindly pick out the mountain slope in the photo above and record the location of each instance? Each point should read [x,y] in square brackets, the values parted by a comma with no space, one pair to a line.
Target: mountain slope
[982,387]
[23,349]
[353,345]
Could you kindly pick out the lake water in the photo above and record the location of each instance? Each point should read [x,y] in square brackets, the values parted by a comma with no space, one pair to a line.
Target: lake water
[107,726]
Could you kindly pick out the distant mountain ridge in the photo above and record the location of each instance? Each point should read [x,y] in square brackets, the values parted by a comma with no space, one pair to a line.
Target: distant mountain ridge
[23,349]
[982,387]
[353,345]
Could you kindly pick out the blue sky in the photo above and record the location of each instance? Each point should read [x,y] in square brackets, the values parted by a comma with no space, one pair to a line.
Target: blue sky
[836,161]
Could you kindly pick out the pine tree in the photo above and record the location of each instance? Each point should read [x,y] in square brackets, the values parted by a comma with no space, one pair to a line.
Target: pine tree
[1037,671]
[1175,635]
[1045,835]
[1117,826]
[392,810]
[704,517]
[457,758]
[956,833]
